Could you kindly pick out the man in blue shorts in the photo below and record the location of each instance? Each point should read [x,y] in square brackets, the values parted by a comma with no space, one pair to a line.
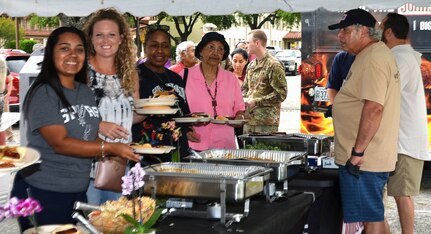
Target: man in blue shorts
[366,114]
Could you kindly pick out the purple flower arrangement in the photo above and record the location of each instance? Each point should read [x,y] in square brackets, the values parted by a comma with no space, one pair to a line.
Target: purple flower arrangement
[133,184]
[15,208]
[134,180]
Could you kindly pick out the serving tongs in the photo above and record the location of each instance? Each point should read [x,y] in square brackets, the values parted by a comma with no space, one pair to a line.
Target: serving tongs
[78,217]
[85,206]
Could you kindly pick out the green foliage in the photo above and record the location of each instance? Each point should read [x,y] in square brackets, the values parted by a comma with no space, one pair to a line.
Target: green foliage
[26,45]
[131,20]
[41,22]
[10,44]
[184,24]
[222,21]
[289,18]
[139,228]
[7,31]
[256,21]
[262,146]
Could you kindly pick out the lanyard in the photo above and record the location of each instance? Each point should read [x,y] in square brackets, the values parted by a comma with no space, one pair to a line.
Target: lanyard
[213,98]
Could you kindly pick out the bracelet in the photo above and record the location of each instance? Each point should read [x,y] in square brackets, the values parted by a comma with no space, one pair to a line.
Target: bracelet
[102,147]
[357,154]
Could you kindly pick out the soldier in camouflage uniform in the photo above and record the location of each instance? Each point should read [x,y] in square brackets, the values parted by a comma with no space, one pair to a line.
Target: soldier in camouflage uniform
[264,88]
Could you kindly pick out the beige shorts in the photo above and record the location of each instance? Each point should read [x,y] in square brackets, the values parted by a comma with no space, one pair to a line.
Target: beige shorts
[407,178]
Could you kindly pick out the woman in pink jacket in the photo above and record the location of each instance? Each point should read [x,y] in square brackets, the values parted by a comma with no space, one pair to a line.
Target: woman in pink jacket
[213,90]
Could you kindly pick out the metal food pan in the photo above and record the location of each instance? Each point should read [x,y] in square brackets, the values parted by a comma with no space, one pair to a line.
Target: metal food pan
[312,144]
[205,180]
[278,161]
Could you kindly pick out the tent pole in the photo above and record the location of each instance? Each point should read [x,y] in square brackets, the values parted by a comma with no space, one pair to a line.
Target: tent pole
[16,33]
[138,37]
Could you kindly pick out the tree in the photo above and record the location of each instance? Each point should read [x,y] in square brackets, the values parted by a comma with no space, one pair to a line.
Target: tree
[77,22]
[256,21]
[7,31]
[183,24]
[42,22]
[222,21]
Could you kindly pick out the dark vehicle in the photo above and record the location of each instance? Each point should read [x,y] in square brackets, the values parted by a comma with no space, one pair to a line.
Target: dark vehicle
[319,46]
[15,60]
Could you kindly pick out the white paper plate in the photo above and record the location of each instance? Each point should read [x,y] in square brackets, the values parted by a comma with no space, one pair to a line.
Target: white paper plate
[154,150]
[192,119]
[31,156]
[167,111]
[218,121]
[155,102]
[47,229]
[236,121]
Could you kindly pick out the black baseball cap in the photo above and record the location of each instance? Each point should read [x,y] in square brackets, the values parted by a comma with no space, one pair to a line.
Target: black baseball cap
[355,16]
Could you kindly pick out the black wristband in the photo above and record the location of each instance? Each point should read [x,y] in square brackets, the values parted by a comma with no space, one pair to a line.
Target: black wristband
[357,154]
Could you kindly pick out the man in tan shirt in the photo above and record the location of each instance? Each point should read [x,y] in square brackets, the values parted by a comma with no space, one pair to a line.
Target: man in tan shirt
[366,115]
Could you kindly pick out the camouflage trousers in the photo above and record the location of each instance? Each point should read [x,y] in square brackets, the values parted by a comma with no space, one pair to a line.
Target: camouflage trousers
[260,128]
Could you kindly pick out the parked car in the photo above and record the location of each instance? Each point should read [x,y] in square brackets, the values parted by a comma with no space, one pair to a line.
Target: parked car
[273,49]
[291,60]
[15,60]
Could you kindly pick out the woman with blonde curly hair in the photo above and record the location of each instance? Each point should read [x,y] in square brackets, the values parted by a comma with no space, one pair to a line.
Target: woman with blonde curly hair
[113,79]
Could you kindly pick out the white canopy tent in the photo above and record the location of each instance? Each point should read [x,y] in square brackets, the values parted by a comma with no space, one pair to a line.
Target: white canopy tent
[20,8]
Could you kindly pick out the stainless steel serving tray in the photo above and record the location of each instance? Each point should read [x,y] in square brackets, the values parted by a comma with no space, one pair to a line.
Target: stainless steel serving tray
[205,180]
[278,161]
[312,144]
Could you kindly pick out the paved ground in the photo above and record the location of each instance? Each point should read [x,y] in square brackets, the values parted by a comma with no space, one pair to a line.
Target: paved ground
[422,207]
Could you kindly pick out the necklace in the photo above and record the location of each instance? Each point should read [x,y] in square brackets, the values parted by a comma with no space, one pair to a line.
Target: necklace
[213,98]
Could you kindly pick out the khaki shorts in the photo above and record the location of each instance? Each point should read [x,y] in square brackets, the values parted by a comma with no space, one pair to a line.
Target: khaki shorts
[407,178]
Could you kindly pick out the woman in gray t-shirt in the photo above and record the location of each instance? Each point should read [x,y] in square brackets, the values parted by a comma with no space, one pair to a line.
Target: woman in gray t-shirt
[62,121]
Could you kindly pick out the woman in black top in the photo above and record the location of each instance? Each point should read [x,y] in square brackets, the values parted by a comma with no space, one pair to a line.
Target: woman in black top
[154,77]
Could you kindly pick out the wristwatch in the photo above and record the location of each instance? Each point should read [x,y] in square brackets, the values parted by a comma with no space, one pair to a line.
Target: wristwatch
[357,154]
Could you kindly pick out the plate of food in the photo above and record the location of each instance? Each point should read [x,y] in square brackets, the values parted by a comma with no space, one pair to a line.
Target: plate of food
[150,149]
[14,158]
[220,120]
[199,119]
[164,94]
[54,229]
[156,110]
[236,121]
[139,103]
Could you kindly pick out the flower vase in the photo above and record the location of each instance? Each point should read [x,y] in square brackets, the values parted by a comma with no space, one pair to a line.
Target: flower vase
[176,154]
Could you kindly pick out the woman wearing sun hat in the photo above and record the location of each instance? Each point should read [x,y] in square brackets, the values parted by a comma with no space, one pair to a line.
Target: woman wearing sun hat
[213,90]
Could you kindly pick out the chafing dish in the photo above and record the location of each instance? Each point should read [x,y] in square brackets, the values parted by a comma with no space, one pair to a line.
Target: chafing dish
[205,180]
[312,144]
[278,161]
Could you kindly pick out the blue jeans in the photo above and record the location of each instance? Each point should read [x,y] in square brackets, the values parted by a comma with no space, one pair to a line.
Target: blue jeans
[97,196]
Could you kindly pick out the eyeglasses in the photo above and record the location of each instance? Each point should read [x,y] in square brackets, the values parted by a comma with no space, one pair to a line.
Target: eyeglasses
[155,27]
[213,48]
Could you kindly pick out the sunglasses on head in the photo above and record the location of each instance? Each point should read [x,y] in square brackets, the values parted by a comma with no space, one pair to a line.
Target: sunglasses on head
[155,27]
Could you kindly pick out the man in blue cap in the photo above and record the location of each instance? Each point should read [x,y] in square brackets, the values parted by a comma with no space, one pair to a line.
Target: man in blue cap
[366,114]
